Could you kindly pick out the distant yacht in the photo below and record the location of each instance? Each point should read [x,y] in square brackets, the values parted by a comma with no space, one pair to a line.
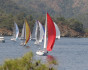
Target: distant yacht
[25,33]
[38,33]
[15,32]
[2,38]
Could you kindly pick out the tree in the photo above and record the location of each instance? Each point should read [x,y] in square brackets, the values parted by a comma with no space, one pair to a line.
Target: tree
[76,25]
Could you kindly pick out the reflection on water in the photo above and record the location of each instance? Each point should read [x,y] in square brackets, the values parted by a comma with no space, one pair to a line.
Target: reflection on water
[27,46]
[52,61]
[51,58]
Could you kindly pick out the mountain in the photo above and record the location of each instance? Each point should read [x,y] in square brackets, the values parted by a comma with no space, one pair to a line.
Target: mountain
[66,8]
[84,19]
[10,7]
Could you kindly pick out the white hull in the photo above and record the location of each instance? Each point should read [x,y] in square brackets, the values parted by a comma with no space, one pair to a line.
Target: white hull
[21,38]
[41,52]
[13,39]
[36,42]
[2,39]
[32,39]
[40,40]
[57,37]
[22,44]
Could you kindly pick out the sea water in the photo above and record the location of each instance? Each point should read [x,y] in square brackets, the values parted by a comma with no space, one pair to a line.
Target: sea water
[71,53]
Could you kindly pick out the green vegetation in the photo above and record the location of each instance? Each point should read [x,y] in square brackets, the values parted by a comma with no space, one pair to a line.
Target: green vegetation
[26,63]
[76,25]
[72,23]
[7,20]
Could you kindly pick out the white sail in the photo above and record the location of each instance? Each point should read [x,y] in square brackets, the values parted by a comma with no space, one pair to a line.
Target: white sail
[41,32]
[23,31]
[15,32]
[34,32]
[57,31]
[37,33]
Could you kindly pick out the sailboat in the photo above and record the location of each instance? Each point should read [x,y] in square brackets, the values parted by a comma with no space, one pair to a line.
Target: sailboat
[38,32]
[15,32]
[50,31]
[57,31]
[33,35]
[22,33]
[41,32]
[25,33]
[2,39]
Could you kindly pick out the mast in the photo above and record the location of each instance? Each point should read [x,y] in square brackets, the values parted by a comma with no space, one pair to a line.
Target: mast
[45,32]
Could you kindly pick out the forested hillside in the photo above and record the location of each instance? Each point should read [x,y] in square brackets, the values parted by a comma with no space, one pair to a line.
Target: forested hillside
[72,13]
[66,8]
[11,7]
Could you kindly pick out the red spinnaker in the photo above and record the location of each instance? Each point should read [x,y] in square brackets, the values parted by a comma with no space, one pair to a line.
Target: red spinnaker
[51,33]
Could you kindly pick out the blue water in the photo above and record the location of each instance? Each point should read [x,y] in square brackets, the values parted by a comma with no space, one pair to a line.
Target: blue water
[71,53]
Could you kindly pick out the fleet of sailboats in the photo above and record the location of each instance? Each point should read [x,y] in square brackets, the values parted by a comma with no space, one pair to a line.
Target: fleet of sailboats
[15,32]
[49,34]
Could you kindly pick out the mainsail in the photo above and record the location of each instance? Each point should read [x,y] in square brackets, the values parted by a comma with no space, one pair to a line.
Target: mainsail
[34,31]
[38,32]
[15,32]
[23,32]
[41,32]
